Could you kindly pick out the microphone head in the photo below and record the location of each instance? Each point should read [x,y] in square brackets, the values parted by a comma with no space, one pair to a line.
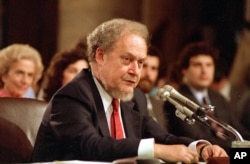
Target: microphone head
[168,88]
[163,94]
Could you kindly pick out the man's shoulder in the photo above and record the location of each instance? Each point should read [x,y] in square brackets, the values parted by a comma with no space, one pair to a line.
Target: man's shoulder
[138,93]
[216,94]
[139,99]
[83,83]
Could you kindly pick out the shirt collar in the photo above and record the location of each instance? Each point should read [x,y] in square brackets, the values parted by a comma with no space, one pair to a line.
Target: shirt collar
[199,94]
[106,98]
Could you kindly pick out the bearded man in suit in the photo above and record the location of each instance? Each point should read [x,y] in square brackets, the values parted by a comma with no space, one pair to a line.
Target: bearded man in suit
[81,122]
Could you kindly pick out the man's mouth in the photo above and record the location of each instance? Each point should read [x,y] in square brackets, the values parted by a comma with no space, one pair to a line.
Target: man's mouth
[131,81]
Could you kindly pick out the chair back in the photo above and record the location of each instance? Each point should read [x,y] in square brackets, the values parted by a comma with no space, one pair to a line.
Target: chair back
[20,119]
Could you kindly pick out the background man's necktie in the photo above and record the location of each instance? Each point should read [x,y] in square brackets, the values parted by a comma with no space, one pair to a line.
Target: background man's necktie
[218,130]
[115,122]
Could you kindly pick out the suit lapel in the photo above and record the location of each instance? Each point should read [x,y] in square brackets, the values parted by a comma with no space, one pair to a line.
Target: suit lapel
[103,125]
[187,93]
[102,120]
[131,119]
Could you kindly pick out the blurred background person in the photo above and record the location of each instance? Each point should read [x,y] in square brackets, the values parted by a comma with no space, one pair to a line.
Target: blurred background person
[241,68]
[243,107]
[147,83]
[239,75]
[63,67]
[197,64]
[20,69]
[234,83]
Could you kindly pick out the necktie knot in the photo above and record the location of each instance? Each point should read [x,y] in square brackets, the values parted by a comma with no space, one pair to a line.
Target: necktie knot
[115,104]
[204,101]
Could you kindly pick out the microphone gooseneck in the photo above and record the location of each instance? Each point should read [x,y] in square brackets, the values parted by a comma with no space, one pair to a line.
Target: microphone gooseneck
[189,111]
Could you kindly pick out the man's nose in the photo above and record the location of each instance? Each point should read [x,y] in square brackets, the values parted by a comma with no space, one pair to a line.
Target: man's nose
[135,68]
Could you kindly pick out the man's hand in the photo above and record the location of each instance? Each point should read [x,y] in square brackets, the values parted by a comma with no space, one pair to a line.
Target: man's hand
[208,151]
[175,153]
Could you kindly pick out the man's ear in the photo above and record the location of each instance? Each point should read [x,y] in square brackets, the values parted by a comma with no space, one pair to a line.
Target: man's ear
[99,55]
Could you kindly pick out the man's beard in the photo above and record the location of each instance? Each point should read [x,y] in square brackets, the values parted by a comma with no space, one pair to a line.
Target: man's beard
[145,85]
[121,95]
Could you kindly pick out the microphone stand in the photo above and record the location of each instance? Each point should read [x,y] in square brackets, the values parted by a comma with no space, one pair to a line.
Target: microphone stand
[201,115]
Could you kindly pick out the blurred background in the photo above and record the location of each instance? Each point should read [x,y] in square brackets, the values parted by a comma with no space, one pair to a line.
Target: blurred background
[55,25]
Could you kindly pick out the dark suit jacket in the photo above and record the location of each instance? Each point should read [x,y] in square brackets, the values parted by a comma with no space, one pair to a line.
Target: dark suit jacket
[199,130]
[158,110]
[74,126]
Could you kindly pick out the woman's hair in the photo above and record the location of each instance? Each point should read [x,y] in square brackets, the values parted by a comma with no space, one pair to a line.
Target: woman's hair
[54,74]
[107,34]
[15,52]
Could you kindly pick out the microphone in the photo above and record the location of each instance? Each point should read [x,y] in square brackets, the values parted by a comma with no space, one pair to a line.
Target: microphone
[182,112]
[167,92]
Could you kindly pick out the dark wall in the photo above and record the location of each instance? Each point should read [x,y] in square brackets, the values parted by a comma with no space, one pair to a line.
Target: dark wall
[172,24]
[32,22]
[227,18]
[217,22]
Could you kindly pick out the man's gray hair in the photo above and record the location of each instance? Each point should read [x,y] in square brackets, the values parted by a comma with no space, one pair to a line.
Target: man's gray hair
[107,34]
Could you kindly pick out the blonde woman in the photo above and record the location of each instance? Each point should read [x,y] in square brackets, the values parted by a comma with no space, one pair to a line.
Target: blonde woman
[20,68]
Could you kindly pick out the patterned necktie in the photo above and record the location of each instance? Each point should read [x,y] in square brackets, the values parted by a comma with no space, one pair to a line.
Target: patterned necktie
[115,122]
[204,101]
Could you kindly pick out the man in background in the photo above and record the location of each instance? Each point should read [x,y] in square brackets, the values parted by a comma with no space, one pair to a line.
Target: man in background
[148,81]
[197,65]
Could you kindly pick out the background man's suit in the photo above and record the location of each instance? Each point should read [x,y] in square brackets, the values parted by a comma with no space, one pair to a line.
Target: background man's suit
[198,130]
[158,111]
[74,126]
